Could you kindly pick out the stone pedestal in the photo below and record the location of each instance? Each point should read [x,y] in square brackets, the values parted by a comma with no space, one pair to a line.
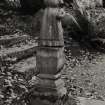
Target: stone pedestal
[49,86]
[50,60]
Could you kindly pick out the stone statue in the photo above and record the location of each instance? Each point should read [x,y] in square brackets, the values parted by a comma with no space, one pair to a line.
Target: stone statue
[51,31]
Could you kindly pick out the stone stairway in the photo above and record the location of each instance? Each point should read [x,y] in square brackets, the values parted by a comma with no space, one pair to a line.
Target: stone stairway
[12,39]
[19,51]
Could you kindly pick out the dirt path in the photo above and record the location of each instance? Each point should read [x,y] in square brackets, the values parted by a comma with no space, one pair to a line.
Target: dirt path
[85,72]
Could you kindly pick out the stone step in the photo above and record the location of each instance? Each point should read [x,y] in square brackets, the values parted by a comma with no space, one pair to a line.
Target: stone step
[9,40]
[86,101]
[16,53]
[26,67]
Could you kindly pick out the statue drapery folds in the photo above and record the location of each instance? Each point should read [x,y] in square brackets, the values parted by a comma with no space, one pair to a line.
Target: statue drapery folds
[51,26]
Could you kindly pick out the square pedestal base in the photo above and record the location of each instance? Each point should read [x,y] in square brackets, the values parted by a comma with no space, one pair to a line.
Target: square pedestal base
[50,60]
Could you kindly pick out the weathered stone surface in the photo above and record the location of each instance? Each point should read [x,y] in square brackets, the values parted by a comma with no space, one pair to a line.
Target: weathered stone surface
[8,40]
[14,53]
[51,30]
[38,101]
[50,101]
[86,101]
[50,60]
[47,87]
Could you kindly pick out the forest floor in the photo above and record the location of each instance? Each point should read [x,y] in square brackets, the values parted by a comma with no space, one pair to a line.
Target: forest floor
[84,72]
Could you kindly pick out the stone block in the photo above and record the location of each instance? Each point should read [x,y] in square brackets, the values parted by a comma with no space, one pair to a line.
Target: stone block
[47,87]
[49,63]
[50,60]
[87,101]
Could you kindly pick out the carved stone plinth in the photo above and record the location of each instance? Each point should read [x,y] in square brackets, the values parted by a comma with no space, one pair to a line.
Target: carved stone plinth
[49,85]
[50,60]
